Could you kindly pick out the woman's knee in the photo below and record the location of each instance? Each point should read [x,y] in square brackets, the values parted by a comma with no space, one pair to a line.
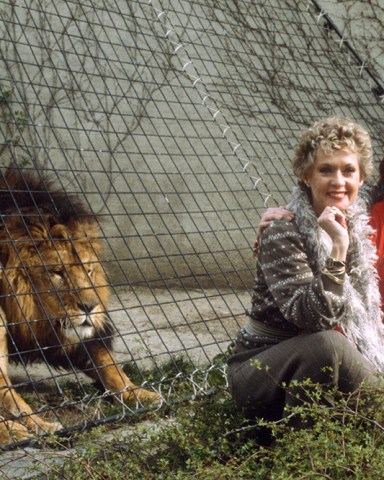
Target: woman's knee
[330,345]
[335,344]
[347,366]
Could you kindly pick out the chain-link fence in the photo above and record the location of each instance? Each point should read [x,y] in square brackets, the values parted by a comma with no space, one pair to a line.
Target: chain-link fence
[173,124]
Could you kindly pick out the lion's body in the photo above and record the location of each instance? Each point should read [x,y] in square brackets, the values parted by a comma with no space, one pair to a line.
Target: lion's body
[54,291]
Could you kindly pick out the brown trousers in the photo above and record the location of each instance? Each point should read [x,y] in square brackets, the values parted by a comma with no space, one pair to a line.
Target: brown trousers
[260,379]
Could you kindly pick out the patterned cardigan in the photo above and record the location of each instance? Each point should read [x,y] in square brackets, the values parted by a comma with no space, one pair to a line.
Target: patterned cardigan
[288,293]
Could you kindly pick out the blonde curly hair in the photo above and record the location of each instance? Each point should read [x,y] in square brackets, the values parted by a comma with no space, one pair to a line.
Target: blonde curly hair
[334,133]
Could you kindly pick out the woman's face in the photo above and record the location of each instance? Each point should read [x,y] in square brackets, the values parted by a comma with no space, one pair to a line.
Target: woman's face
[334,180]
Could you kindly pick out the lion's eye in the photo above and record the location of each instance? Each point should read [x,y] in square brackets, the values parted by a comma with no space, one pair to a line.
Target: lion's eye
[56,275]
[56,272]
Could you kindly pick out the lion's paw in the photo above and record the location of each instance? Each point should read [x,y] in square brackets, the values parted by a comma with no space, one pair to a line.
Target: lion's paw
[11,431]
[43,427]
[143,396]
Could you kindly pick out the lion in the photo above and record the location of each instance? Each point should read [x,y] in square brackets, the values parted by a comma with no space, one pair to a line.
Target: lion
[53,295]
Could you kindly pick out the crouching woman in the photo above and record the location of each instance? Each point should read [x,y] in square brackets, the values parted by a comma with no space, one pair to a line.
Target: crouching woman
[313,274]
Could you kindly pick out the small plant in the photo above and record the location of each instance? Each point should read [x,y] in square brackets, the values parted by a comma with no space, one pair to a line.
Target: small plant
[209,438]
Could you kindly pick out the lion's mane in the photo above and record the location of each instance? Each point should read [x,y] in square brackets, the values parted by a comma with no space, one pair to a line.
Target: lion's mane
[54,291]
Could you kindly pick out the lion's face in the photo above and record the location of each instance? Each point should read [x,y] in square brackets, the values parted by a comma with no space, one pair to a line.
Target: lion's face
[58,278]
[71,287]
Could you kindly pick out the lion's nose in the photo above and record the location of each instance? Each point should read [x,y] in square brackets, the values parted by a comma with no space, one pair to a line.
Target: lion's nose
[87,307]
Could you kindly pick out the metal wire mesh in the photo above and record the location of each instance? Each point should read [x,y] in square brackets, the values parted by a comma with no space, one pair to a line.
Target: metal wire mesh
[174,123]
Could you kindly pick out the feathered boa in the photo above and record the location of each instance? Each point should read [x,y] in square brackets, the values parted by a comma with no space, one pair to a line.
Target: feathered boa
[362,322]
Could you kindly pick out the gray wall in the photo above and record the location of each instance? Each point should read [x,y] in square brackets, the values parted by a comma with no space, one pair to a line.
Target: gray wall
[176,122]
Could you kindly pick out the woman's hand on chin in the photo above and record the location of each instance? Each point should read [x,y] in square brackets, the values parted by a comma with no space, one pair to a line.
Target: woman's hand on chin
[333,221]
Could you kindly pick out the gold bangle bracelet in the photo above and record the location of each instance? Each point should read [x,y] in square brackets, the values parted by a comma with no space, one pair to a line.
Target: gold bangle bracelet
[339,281]
[332,271]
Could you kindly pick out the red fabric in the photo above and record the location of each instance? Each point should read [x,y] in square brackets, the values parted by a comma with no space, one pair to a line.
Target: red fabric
[377,222]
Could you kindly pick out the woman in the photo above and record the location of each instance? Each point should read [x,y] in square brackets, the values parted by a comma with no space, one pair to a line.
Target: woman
[374,198]
[313,274]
